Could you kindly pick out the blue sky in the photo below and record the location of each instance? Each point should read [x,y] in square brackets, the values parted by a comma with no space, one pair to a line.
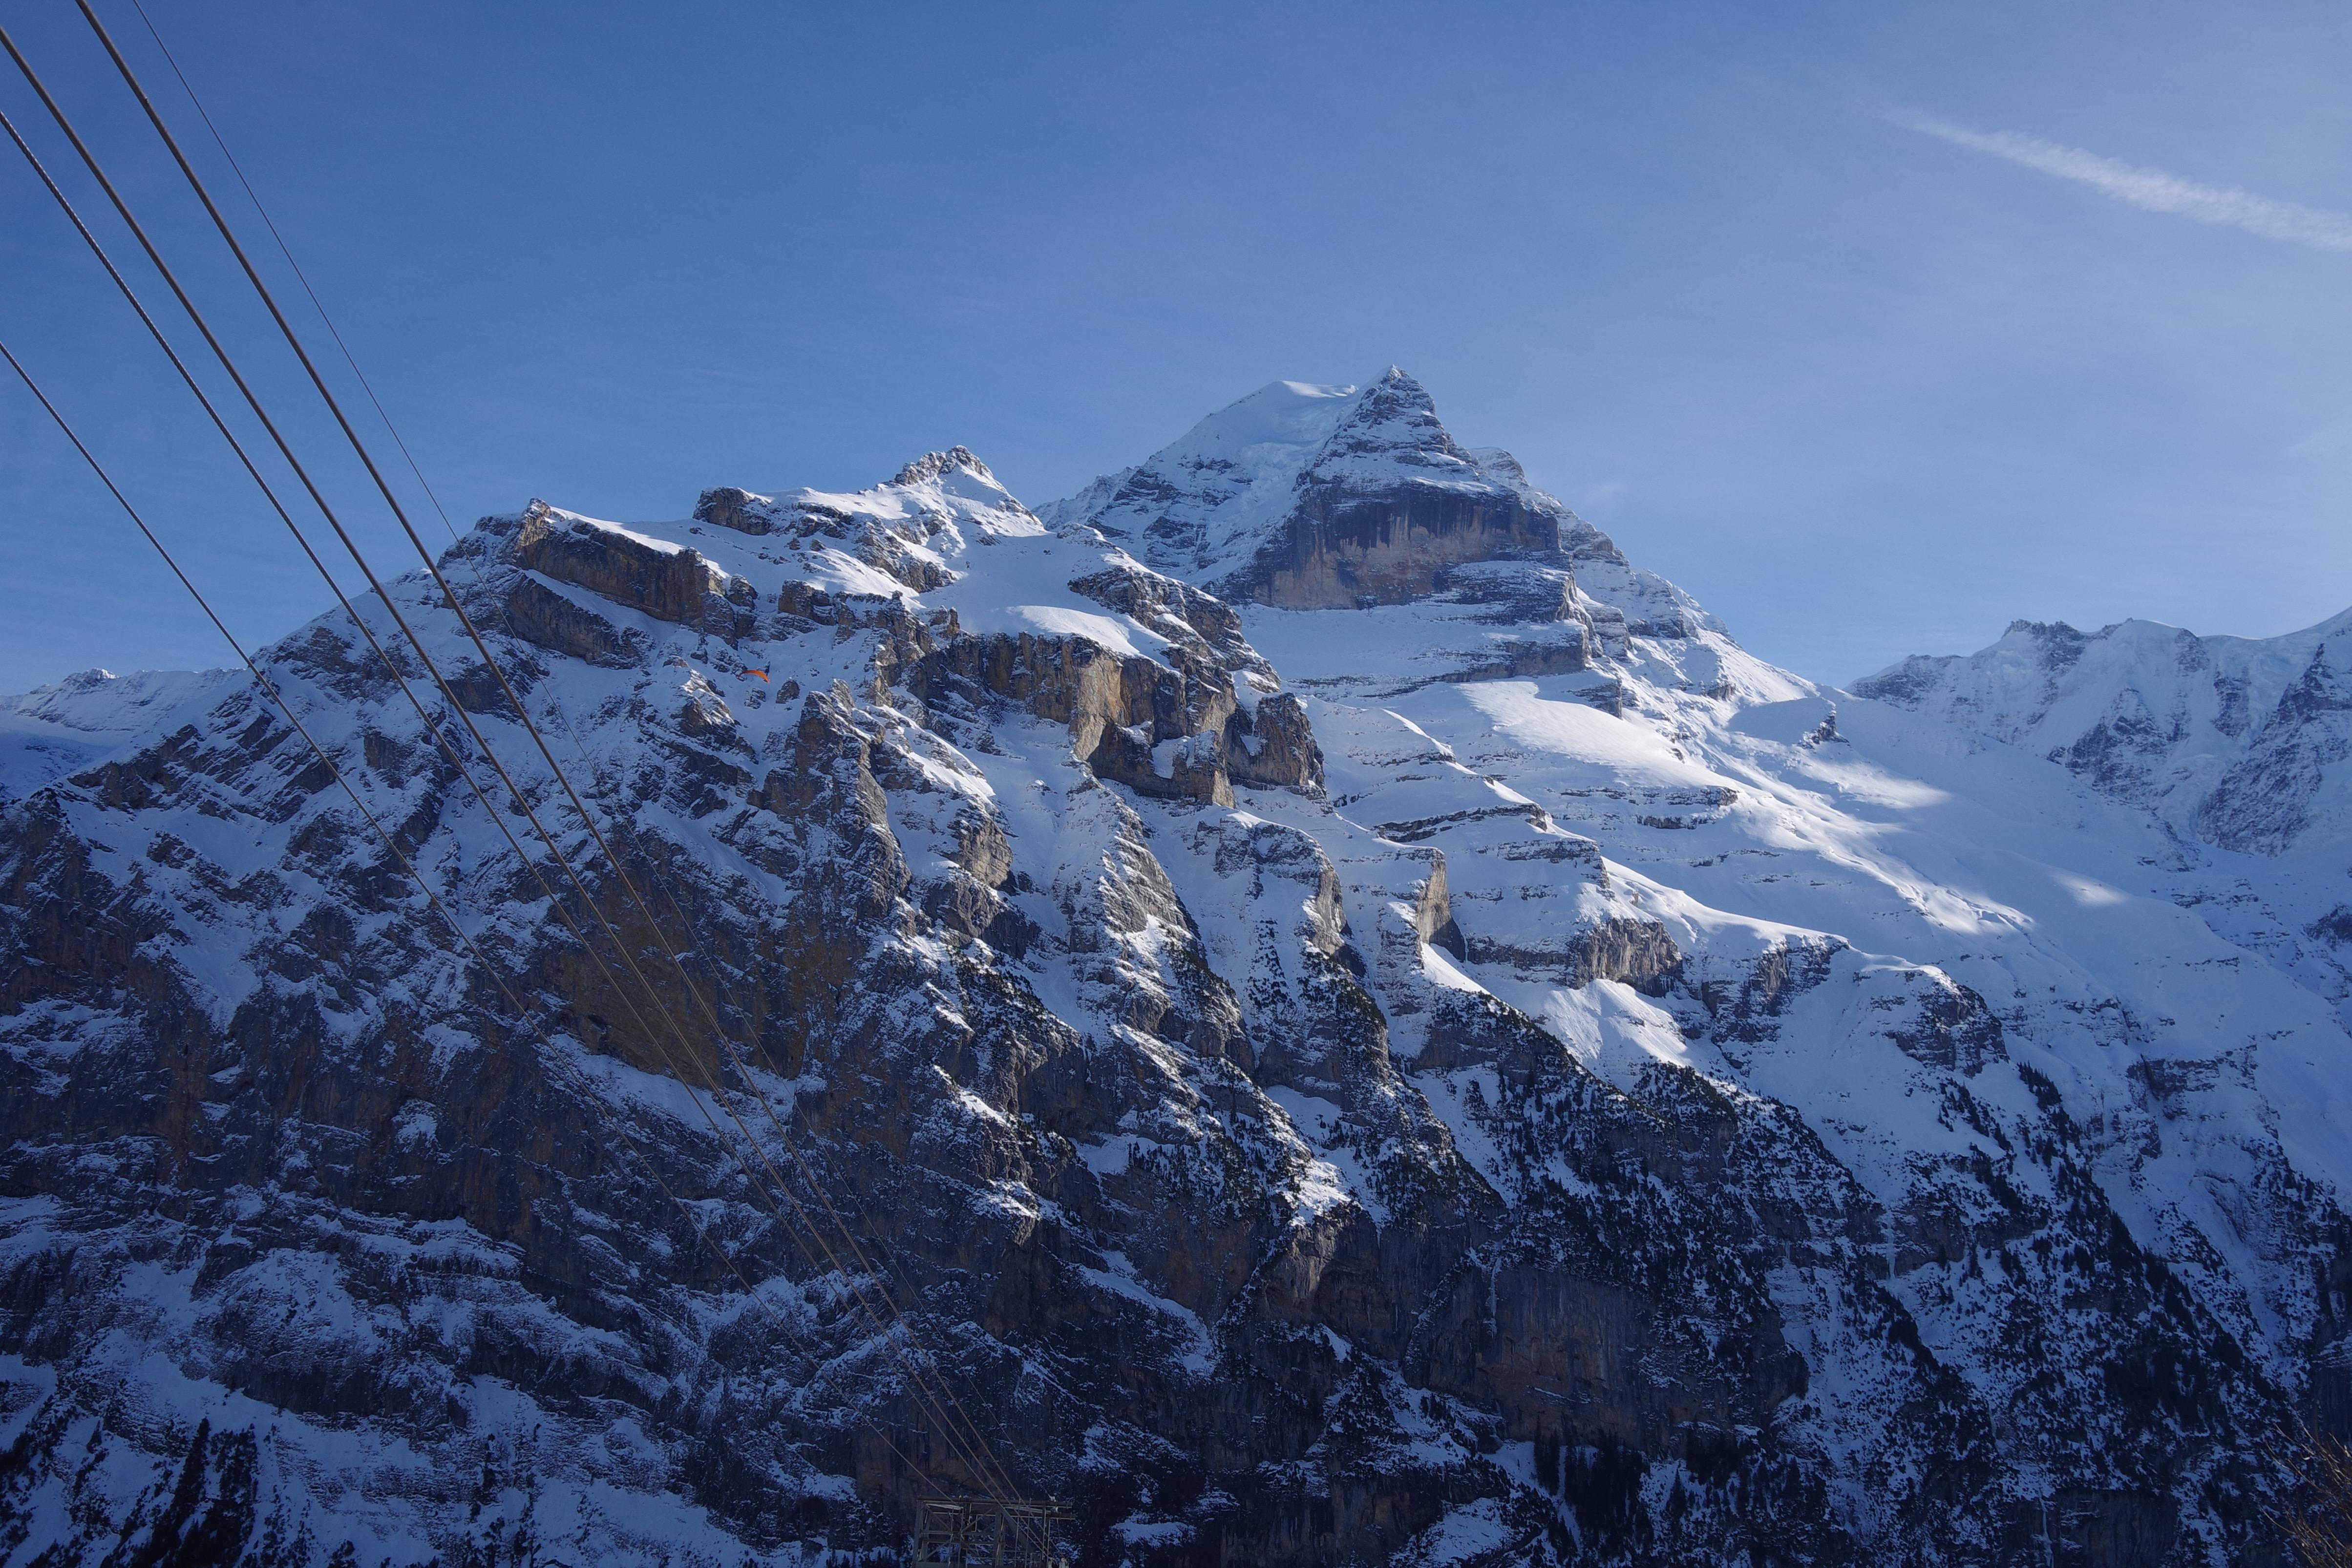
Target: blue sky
[1875,327]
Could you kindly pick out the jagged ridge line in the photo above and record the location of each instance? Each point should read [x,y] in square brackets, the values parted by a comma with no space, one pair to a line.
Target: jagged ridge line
[211,209]
[448,749]
[432,728]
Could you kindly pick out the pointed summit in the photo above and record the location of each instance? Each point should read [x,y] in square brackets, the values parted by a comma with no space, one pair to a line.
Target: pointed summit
[931,500]
[1390,425]
[955,460]
[1310,496]
[1228,477]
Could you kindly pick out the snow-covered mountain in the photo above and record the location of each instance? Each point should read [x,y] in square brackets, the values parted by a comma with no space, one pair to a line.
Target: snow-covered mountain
[2240,747]
[1359,1025]
[2237,742]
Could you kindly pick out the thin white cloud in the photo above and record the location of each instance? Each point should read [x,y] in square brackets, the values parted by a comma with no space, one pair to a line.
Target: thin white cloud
[2151,189]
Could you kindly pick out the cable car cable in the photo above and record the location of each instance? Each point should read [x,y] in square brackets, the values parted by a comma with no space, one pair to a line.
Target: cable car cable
[976,1447]
[456,759]
[131,79]
[554,1054]
[286,251]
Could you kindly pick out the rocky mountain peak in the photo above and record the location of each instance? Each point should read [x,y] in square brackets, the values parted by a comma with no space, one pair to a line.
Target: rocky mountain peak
[2057,645]
[937,465]
[1390,425]
[100,700]
[1226,480]
[1386,1040]
[1305,495]
[57,728]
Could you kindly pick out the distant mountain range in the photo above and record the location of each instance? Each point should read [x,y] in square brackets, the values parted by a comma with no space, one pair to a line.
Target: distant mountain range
[1356,1024]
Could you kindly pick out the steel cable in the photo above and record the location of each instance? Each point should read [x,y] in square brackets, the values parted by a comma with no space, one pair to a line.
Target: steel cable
[650,915]
[553,1053]
[923,1393]
[974,1446]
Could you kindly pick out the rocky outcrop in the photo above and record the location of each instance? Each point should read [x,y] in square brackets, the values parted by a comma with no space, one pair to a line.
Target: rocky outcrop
[1271,743]
[670,583]
[1947,1026]
[1389,503]
[2269,798]
[1172,729]
[1639,953]
[728,507]
[1175,610]
[1344,551]
[537,614]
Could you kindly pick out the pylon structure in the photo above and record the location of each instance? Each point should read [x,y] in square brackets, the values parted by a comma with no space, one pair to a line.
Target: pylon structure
[977,1531]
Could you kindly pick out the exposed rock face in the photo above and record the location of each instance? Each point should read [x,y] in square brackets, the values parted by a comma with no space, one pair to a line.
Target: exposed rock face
[1356,535]
[1273,743]
[1486,1072]
[1309,498]
[537,614]
[736,509]
[1159,729]
[664,580]
[2280,792]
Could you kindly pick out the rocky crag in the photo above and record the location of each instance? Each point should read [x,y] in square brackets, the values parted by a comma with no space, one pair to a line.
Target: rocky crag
[1358,1025]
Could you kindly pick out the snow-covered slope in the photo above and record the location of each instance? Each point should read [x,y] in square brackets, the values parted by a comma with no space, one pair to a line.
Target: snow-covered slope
[2237,742]
[1363,1027]
[2240,748]
[66,726]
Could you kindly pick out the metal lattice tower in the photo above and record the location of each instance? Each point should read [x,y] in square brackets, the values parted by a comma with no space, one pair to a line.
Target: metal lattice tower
[980,1532]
